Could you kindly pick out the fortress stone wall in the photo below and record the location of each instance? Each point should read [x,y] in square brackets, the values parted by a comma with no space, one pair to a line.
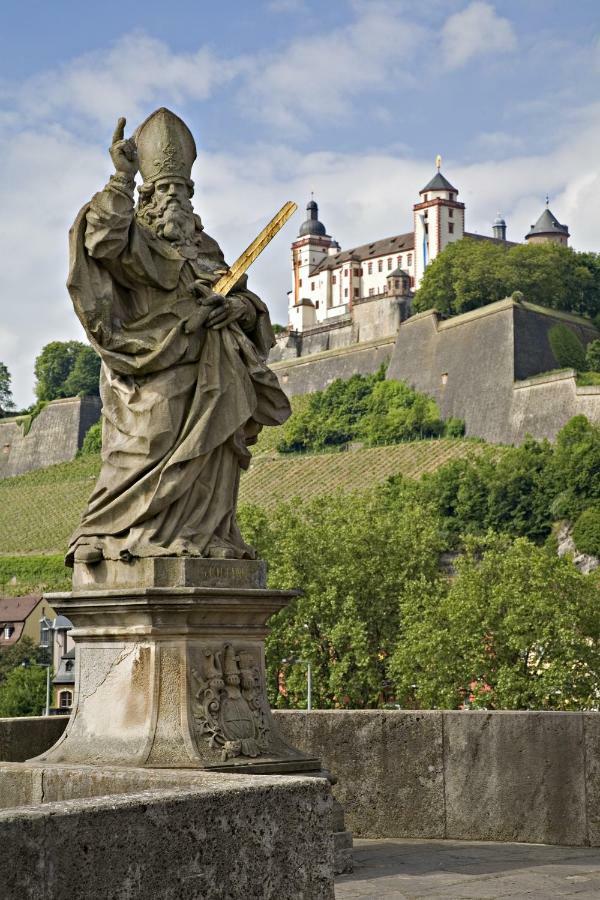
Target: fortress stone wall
[55,436]
[492,367]
[305,374]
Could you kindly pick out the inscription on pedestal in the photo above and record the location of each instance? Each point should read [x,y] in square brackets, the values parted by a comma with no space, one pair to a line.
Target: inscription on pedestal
[228,702]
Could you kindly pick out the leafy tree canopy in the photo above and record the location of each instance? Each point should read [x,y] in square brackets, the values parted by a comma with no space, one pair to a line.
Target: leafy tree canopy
[65,369]
[23,692]
[471,273]
[518,628]
[592,356]
[6,400]
[354,556]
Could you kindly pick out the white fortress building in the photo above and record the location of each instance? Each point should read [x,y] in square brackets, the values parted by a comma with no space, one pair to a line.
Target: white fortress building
[343,297]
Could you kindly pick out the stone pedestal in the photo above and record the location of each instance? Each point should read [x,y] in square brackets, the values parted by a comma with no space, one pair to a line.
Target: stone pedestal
[170,667]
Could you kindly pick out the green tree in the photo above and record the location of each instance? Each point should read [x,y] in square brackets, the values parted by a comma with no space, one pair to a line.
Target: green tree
[24,651]
[23,692]
[575,468]
[84,378]
[586,531]
[353,556]
[472,273]
[65,368]
[592,356]
[518,628]
[6,400]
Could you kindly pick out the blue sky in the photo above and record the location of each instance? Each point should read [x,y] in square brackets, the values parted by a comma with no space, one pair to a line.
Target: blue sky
[351,98]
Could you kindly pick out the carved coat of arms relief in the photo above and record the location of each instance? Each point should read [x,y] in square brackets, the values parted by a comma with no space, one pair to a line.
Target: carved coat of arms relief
[228,705]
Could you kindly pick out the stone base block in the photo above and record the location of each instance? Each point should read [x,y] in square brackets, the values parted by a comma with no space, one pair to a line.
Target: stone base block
[170,667]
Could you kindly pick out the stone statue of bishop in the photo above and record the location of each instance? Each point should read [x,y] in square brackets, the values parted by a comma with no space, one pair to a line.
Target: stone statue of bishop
[184,384]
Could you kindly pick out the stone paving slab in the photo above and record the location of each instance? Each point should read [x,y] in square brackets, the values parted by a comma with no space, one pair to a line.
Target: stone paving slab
[467,870]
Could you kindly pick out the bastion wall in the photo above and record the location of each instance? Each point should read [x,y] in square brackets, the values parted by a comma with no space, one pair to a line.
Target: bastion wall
[55,436]
[492,367]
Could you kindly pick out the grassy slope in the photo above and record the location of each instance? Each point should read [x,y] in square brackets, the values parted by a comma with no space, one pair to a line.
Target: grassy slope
[39,511]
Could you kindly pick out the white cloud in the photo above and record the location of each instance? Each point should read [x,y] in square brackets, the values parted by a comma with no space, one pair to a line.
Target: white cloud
[329,73]
[475,31]
[126,77]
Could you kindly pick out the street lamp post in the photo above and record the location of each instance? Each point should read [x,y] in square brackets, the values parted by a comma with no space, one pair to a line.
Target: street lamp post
[46,630]
[307,663]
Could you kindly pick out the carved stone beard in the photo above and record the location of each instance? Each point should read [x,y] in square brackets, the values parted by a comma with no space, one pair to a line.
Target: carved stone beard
[169,217]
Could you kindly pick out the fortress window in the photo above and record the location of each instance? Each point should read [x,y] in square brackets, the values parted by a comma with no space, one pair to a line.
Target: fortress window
[334,279]
[356,292]
[380,265]
[317,305]
[426,198]
[371,292]
[357,272]
[345,292]
[345,273]
[370,268]
[396,282]
[409,259]
[451,227]
[451,213]
[426,228]
[389,263]
[8,632]
[444,377]
[399,261]
[312,285]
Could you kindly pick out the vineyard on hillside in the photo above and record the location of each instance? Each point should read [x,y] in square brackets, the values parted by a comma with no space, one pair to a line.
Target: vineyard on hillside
[40,510]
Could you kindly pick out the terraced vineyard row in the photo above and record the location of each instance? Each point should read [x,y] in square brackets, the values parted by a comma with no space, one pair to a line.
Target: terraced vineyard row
[40,510]
[273,479]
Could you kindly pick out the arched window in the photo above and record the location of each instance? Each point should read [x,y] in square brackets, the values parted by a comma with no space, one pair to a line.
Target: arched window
[65,699]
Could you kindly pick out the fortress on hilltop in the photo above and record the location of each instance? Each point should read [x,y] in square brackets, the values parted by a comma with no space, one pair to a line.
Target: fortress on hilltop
[344,297]
[350,311]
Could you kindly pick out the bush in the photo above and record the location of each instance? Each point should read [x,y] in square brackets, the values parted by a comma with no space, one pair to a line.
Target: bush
[592,356]
[567,348]
[330,417]
[395,412]
[586,531]
[454,427]
[92,442]
[366,408]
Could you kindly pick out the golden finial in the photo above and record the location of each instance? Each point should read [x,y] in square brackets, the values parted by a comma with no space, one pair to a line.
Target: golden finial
[438,162]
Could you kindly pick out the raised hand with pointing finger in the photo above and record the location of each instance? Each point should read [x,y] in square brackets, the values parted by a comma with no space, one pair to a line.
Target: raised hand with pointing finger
[123,151]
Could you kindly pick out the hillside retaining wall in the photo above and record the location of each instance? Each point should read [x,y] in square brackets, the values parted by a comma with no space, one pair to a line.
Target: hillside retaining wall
[306,374]
[55,436]
[495,776]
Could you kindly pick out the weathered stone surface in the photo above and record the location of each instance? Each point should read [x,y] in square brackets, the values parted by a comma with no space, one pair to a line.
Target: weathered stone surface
[507,775]
[388,765]
[55,436]
[181,668]
[21,738]
[170,571]
[515,776]
[591,738]
[314,373]
[239,837]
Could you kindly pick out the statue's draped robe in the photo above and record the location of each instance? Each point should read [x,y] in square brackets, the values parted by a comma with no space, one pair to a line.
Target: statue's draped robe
[179,400]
